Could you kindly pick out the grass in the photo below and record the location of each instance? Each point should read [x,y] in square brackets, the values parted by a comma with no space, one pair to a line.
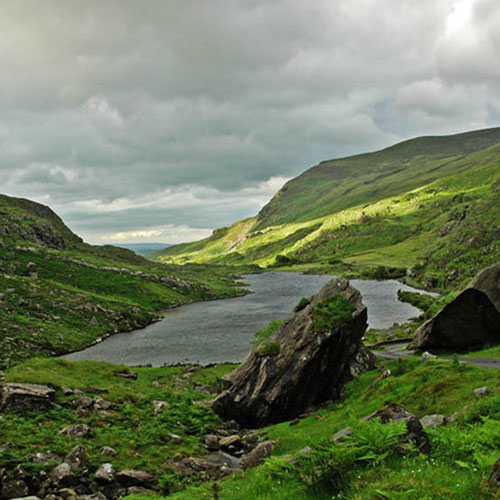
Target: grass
[457,468]
[370,469]
[328,313]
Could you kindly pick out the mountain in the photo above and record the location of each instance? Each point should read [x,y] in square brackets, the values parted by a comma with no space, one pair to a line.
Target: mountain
[59,294]
[429,205]
[143,248]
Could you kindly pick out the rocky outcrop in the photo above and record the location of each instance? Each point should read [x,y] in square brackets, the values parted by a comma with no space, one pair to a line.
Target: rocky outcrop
[305,363]
[471,321]
[488,282]
[26,397]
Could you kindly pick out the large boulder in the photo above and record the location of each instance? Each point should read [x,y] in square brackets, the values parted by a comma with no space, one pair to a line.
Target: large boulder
[488,282]
[305,363]
[471,321]
[26,397]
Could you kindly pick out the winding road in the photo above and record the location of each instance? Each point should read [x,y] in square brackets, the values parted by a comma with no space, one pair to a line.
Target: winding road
[398,350]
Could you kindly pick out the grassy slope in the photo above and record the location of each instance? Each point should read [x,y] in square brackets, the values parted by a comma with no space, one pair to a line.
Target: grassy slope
[421,228]
[457,468]
[82,292]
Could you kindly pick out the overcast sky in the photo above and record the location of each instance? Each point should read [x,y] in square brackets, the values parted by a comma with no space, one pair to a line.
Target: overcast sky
[160,120]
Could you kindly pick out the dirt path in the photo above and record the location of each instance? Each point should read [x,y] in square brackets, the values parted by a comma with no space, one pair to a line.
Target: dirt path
[395,351]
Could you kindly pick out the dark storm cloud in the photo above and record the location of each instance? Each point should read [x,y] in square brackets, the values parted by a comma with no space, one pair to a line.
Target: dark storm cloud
[163,119]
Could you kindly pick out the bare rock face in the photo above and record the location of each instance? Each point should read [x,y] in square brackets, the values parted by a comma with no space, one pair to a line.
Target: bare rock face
[26,397]
[488,282]
[303,364]
[470,321]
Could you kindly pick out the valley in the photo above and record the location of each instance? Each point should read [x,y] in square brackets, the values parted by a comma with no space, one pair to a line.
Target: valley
[305,410]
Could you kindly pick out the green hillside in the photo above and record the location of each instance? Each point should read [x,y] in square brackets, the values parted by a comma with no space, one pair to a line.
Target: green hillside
[58,294]
[430,205]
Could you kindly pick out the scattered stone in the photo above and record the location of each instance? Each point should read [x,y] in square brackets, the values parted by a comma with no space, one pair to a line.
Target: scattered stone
[305,367]
[105,473]
[126,375]
[61,476]
[212,442]
[482,391]
[77,457]
[160,406]
[95,496]
[133,477]
[44,457]
[340,436]
[230,443]
[414,431]
[258,455]
[27,498]
[67,493]
[175,437]
[14,489]
[76,431]
[433,421]
[107,451]
[427,356]
[93,321]
[26,397]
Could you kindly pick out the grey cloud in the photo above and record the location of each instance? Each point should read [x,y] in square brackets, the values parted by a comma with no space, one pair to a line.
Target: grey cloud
[125,99]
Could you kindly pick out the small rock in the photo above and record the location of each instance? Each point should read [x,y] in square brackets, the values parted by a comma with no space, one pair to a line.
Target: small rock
[160,406]
[231,442]
[105,473]
[258,455]
[26,498]
[77,457]
[427,356]
[44,457]
[433,421]
[133,477]
[76,431]
[95,496]
[341,435]
[212,442]
[126,375]
[67,493]
[62,475]
[482,391]
[26,397]
[175,437]
[107,451]
[93,321]
[14,489]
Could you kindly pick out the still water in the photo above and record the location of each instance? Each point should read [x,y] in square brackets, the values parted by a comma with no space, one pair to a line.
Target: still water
[221,330]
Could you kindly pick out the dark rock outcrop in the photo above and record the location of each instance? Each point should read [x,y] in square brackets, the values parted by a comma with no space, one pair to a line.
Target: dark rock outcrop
[300,366]
[488,282]
[470,321]
[415,433]
[26,397]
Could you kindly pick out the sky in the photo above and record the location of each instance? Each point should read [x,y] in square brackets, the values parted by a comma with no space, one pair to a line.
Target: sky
[159,121]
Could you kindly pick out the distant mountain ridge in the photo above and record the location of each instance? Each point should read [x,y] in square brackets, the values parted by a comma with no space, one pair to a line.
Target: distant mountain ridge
[429,204]
[143,249]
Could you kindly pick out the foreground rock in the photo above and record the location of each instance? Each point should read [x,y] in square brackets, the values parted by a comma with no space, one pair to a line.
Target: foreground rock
[26,397]
[471,321]
[415,433]
[303,364]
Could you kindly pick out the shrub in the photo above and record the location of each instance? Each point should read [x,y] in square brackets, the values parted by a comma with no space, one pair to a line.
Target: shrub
[303,303]
[271,348]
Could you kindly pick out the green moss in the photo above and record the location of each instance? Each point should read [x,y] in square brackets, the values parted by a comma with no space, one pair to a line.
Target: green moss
[329,313]
[264,333]
[270,348]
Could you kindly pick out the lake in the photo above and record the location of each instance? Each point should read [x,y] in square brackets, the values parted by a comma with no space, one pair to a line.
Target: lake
[221,330]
